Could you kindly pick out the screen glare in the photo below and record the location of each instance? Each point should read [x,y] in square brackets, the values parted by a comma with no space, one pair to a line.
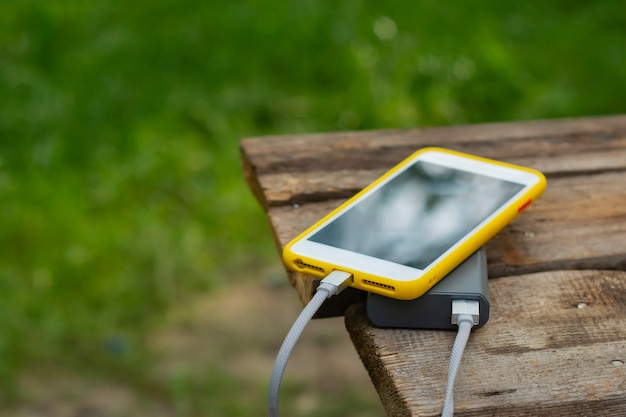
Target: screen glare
[418,215]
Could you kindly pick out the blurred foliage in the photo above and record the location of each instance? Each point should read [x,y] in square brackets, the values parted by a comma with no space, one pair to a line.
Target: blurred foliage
[119,169]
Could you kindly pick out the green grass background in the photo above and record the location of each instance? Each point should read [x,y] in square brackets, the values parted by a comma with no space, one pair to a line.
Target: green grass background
[121,192]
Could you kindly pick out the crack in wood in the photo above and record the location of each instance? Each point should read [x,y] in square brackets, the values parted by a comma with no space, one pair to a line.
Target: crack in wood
[494,393]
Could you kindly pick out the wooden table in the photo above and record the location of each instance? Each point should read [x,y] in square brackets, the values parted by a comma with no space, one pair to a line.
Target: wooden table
[555,343]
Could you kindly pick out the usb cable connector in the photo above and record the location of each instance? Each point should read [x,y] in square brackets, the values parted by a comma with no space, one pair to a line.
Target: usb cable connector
[463,308]
[335,282]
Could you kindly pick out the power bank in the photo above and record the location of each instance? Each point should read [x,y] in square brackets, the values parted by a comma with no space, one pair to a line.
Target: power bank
[433,310]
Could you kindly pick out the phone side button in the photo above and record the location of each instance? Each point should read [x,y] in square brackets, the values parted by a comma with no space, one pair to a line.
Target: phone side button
[523,206]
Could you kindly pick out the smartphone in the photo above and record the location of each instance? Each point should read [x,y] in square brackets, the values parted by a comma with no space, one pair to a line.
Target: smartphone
[404,232]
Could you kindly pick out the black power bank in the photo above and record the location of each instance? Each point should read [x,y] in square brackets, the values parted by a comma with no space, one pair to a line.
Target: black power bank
[433,310]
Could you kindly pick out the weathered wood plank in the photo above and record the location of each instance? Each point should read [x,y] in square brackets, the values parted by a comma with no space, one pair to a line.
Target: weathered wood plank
[555,345]
[307,168]
[324,183]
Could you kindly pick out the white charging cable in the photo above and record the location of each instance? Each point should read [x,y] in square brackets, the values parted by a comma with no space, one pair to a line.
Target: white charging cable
[333,284]
[465,313]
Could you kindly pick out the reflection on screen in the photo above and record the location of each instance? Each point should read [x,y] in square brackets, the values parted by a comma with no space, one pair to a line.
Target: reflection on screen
[418,215]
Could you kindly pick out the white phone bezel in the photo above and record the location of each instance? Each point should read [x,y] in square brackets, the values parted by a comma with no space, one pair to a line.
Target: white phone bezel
[359,262]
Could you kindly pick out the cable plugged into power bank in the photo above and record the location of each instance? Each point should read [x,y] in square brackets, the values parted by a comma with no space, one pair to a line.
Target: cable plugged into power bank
[458,302]
[465,314]
[333,284]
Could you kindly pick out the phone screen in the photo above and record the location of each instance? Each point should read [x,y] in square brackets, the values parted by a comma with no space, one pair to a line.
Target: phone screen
[417,215]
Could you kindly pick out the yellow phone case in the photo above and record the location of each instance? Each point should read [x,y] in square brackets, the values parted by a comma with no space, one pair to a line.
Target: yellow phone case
[408,290]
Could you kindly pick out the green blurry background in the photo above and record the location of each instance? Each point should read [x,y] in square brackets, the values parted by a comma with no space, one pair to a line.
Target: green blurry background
[121,194]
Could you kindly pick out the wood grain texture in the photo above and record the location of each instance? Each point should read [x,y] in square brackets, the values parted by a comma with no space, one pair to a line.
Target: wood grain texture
[306,168]
[555,345]
[579,223]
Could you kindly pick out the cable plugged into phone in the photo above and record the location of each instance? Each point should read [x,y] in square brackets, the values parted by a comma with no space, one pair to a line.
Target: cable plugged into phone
[333,284]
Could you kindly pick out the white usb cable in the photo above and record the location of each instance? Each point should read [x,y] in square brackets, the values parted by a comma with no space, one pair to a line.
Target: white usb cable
[333,284]
[465,313]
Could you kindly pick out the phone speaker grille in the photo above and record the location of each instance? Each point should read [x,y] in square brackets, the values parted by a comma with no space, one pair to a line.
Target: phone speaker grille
[379,285]
[301,264]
